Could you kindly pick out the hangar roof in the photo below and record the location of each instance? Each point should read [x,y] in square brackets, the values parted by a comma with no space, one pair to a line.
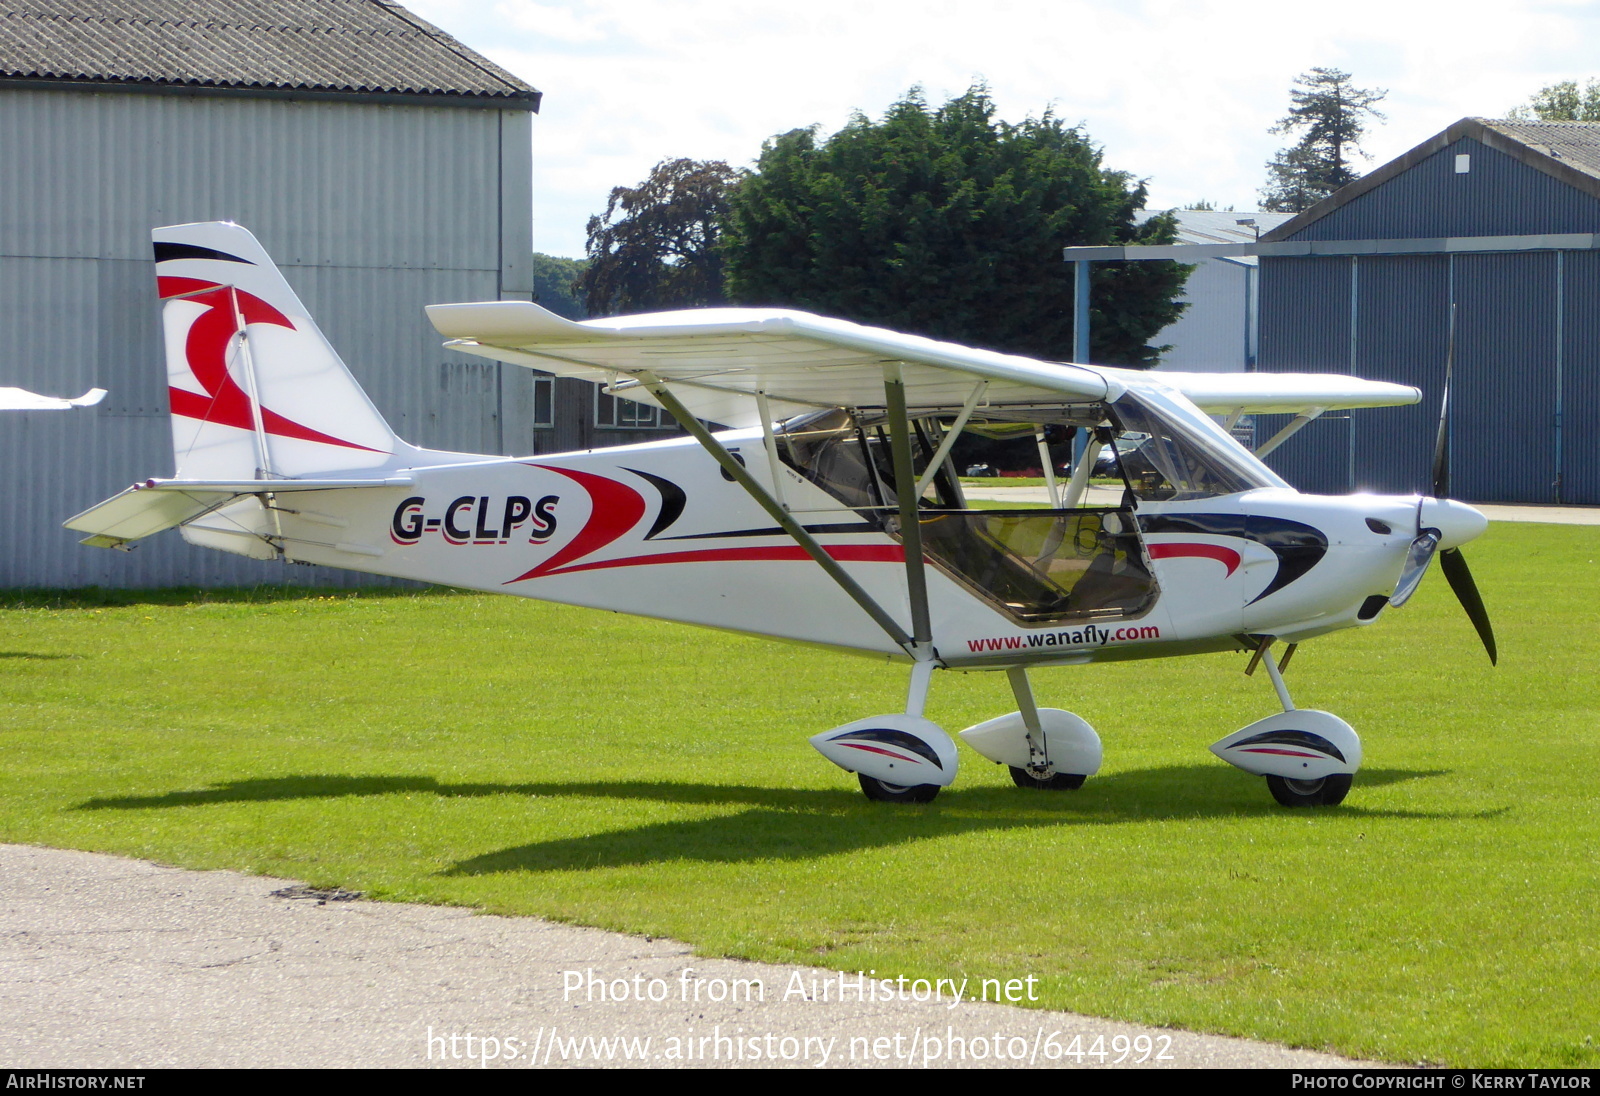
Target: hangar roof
[365,49]
[1216,226]
[1568,151]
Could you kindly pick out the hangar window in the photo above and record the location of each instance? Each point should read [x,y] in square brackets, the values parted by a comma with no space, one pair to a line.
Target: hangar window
[617,413]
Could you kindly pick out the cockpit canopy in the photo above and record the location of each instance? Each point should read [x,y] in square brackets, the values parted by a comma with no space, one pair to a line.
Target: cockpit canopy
[846,452]
[1037,566]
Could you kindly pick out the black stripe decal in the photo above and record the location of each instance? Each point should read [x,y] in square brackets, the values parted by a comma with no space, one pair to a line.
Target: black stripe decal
[1304,739]
[672,501]
[168,251]
[1299,547]
[903,739]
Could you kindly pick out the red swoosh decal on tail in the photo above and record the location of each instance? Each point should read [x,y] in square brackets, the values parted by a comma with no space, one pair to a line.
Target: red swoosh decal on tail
[206,349]
[1225,556]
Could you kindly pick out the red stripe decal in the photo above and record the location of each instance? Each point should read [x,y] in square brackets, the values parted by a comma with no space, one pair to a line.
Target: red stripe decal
[844,553]
[1225,556]
[614,508]
[876,750]
[206,349]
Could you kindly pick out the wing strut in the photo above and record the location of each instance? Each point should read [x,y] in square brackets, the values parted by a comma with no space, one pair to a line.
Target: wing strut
[1288,431]
[951,435]
[785,520]
[905,478]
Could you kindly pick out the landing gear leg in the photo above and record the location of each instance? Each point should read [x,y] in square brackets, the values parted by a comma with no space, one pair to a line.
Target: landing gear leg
[1308,757]
[1040,773]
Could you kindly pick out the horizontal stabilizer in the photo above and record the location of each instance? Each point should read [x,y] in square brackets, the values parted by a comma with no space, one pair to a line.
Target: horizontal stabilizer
[157,505]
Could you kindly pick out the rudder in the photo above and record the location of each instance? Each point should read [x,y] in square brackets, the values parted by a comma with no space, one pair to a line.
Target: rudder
[256,389]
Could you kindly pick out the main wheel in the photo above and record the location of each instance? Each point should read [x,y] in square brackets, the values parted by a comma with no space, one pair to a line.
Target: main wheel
[1060,782]
[884,792]
[1327,792]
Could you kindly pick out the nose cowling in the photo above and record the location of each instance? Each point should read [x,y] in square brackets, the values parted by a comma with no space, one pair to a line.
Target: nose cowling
[1456,521]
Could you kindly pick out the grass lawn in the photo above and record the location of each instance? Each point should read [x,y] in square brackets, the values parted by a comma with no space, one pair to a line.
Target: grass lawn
[655,778]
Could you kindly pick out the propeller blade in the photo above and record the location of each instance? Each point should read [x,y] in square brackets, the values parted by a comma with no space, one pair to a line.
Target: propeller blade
[1441,445]
[1455,569]
[1417,560]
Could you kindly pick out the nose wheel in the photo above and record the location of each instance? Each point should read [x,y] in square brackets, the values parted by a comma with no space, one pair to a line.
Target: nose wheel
[1326,792]
[884,792]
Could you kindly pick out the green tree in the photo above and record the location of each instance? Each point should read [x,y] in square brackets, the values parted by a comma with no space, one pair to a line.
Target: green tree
[1562,102]
[949,223]
[1330,116]
[554,279]
[655,247]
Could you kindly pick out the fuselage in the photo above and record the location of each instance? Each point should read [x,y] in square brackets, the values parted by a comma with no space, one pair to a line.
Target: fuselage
[659,530]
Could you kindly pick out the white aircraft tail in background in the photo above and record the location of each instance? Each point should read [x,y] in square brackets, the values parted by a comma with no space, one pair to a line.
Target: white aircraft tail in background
[20,399]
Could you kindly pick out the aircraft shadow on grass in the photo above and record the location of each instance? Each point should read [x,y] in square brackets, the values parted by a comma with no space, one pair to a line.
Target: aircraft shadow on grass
[796,823]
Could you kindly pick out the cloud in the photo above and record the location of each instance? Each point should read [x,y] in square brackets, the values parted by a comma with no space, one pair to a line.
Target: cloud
[1179,93]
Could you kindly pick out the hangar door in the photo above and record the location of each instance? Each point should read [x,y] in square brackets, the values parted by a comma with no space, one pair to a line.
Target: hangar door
[1526,422]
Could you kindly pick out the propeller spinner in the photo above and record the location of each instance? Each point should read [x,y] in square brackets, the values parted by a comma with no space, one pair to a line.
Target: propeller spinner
[1443,524]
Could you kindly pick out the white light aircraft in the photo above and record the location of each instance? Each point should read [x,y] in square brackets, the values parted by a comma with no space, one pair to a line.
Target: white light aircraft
[829,513]
[20,399]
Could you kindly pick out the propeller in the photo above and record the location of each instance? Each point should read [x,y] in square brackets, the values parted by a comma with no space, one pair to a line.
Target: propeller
[1429,536]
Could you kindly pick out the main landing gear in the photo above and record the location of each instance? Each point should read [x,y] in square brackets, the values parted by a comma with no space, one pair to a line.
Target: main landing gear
[905,758]
[1307,756]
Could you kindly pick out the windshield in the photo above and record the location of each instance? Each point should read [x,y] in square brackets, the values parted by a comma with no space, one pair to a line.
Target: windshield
[1181,459]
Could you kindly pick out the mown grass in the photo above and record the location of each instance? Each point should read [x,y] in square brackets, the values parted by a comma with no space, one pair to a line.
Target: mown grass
[655,778]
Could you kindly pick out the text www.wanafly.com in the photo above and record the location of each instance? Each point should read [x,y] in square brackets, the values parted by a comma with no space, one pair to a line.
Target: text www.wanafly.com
[1090,635]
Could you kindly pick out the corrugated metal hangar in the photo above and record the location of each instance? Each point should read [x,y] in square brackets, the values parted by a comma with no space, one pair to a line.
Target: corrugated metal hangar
[383,164]
[1497,221]
[1494,224]
[1217,331]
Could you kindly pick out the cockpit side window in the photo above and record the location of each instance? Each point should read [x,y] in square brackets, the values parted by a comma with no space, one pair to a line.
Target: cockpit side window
[1036,566]
[829,449]
[854,463]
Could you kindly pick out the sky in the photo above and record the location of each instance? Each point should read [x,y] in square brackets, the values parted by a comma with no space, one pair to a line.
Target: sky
[1179,94]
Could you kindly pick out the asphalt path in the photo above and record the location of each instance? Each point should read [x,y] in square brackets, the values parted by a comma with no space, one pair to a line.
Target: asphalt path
[112,963]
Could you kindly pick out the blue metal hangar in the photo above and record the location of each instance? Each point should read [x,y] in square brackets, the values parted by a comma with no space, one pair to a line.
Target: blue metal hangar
[1497,223]
[1490,229]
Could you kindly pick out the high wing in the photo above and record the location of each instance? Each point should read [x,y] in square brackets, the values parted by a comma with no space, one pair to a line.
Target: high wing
[1279,393]
[719,359]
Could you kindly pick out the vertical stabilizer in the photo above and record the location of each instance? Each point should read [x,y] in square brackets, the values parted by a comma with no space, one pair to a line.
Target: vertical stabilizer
[256,389]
